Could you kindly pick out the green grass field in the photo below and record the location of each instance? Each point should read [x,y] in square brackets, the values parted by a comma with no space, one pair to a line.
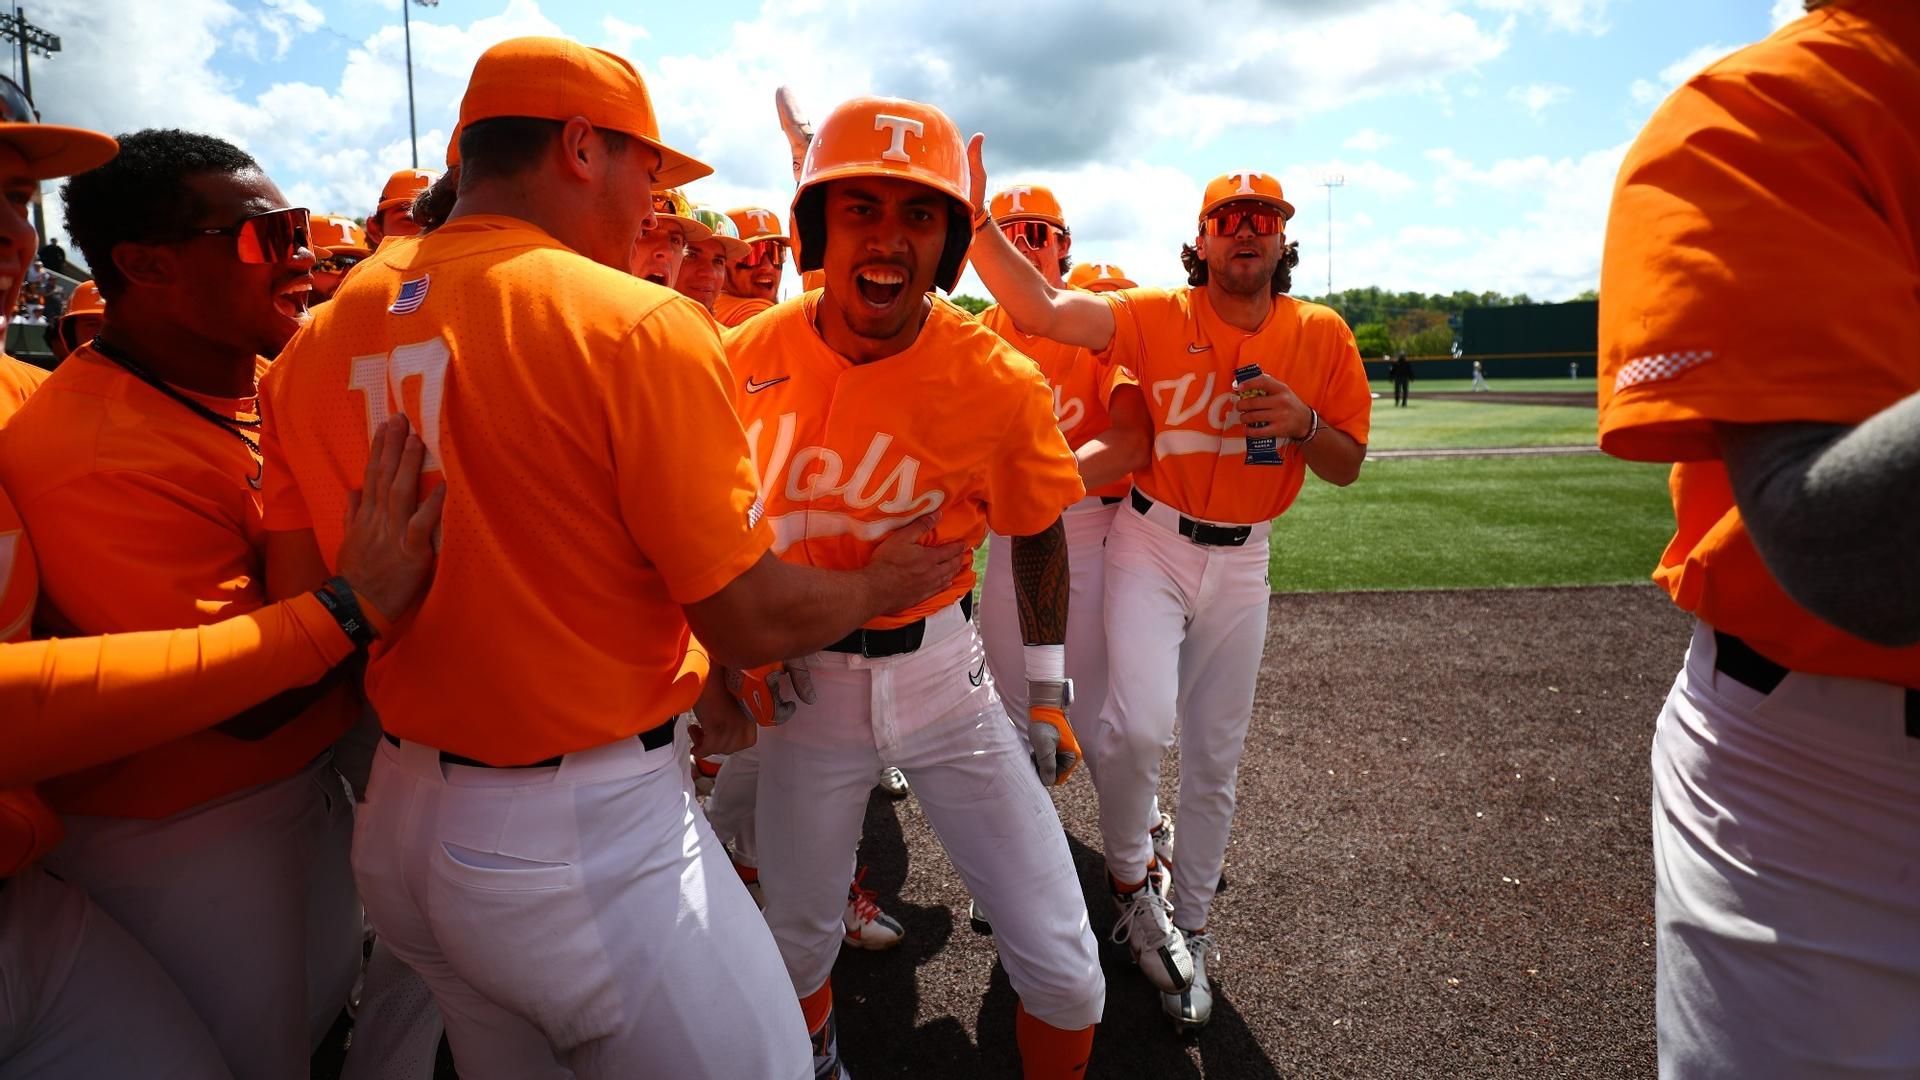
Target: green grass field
[1513,386]
[1433,425]
[1476,523]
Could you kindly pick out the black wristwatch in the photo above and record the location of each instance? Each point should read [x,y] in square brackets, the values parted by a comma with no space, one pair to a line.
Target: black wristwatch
[338,598]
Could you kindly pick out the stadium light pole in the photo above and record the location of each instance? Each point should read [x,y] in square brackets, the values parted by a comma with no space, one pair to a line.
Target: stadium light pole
[1331,181]
[31,39]
[406,30]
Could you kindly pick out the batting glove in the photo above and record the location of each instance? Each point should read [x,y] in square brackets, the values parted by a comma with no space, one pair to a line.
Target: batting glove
[771,693]
[1055,750]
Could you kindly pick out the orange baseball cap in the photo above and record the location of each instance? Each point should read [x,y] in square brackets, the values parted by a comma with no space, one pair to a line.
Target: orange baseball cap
[49,150]
[332,234]
[1027,202]
[757,223]
[1099,277]
[1246,187]
[403,186]
[556,79]
[86,300]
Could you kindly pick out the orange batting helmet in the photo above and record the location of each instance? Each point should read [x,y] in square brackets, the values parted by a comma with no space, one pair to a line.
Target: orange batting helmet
[886,137]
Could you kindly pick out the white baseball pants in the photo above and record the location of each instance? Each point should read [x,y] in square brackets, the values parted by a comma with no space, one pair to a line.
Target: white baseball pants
[1185,628]
[80,999]
[730,807]
[1087,522]
[248,904]
[933,714]
[579,920]
[1786,843]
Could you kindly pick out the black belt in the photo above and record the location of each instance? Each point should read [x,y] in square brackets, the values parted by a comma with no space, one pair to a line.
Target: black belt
[651,739]
[1738,661]
[1199,531]
[1109,500]
[900,639]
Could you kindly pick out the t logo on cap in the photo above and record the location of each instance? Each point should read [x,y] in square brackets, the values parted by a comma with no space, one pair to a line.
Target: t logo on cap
[1016,193]
[899,126]
[762,220]
[1246,182]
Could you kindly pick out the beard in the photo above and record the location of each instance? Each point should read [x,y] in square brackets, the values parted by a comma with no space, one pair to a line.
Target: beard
[1243,277]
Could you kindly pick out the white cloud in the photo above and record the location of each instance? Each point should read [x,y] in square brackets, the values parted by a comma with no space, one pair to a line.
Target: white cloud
[1367,141]
[1537,98]
[1574,16]
[620,35]
[1785,11]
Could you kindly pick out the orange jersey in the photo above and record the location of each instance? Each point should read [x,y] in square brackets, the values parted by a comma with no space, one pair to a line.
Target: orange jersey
[1083,383]
[597,480]
[731,310]
[1184,356]
[17,379]
[1773,190]
[846,453]
[145,516]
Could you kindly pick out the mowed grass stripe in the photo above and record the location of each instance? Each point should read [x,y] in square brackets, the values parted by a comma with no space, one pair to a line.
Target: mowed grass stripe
[1447,425]
[1550,385]
[1476,523]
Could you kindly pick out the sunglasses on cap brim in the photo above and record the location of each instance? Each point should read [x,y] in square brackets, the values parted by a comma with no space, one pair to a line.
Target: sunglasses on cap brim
[1265,220]
[763,253]
[1031,235]
[267,238]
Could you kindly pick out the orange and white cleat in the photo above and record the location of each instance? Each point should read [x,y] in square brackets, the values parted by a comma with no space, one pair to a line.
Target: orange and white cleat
[867,926]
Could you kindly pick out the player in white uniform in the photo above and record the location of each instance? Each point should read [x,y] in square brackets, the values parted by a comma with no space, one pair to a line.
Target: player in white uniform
[1227,364]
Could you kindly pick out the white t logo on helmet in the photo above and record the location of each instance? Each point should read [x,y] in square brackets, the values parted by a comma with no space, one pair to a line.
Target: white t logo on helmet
[899,126]
[1015,194]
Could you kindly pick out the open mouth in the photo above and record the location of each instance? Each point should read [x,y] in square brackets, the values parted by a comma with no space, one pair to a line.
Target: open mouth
[881,286]
[658,278]
[1246,253]
[292,298]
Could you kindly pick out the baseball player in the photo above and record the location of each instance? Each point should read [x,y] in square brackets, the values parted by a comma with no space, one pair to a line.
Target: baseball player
[1186,573]
[661,248]
[1092,397]
[1786,758]
[753,279]
[338,246]
[530,844]
[85,312]
[866,404]
[136,470]
[1099,277]
[83,998]
[705,266]
[393,216]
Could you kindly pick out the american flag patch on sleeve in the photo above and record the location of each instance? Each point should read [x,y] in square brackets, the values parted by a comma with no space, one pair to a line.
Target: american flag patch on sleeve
[412,295]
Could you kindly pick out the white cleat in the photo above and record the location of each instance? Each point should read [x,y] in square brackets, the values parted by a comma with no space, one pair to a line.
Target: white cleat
[1162,835]
[977,919]
[867,927]
[894,782]
[1190,1009]
[1146,927]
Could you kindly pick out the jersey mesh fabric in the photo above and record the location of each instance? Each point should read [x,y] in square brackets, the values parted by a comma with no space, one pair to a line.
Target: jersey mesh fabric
[1763,265]
[597,480]
[1185,355]
[1083,383]
[146,517]
[731,310]
[846,453]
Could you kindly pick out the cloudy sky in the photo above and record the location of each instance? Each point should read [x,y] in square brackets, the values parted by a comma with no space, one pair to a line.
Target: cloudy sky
[1477,138]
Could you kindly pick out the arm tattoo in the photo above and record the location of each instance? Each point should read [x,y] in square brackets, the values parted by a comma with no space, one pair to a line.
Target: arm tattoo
[1040,584]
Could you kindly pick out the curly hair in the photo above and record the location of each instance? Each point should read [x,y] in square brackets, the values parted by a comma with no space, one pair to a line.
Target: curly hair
[143,195]
[435,202]
[1196,267]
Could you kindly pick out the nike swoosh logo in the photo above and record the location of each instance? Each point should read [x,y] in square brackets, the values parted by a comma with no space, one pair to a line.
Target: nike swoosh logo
[978,673]
[756,387]
[1199,348]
